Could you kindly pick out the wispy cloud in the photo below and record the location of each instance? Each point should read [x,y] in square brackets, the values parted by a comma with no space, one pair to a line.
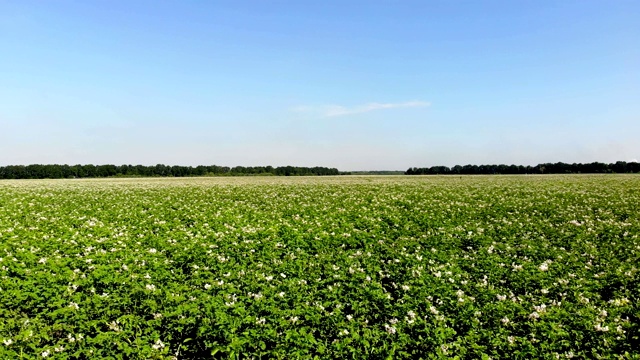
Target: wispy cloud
[339,110]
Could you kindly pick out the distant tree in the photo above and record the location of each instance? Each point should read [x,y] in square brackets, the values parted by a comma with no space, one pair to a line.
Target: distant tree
[546,168]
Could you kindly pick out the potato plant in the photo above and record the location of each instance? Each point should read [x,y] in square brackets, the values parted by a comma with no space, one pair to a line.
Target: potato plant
[371,267]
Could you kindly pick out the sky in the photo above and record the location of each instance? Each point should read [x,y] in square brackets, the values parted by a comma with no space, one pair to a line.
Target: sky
[356,85]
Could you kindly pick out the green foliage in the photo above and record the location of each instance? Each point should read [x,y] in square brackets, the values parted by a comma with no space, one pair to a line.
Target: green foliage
[547,168]
[56,171]
[351,267]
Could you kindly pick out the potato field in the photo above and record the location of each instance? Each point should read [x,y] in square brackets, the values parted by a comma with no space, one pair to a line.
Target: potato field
[353,267]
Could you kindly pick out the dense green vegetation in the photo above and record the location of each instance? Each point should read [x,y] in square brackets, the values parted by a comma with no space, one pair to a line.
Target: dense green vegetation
[620,167]
[55,171]
[334,267]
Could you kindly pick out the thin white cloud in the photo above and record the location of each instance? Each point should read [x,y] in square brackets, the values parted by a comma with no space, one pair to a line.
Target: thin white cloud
[339,110]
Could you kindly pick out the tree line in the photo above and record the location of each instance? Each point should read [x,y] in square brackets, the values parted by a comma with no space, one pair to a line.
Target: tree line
[547,168]
[55,171]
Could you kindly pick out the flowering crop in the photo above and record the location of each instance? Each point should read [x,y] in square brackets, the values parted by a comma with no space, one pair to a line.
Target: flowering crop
[364,267]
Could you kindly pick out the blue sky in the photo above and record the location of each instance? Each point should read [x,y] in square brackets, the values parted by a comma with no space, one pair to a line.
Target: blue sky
[348,84]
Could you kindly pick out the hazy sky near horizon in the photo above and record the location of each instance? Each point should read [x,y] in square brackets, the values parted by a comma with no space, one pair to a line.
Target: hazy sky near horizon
[357,85]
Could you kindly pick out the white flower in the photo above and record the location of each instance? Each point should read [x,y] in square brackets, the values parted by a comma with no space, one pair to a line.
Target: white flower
[158,345]
[153,251]
[505,320]
[261,321]
[619,302]
[405,287]
[207,286]
[150,287]
[73,305]
[393,321]
[543,267]
[281,294]
[7,342]
[411,317]
[293,319]
[601,328]
[501,297]
[112,325]
[58,349]
[349,317]
[147,276]
[45,353]
[42,261]
[389,329]
[541,309]
[344,332]
[433,310]
[283,275]
[534,315]
[157,316]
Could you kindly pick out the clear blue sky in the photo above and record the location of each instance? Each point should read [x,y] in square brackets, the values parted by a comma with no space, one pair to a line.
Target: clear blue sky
[348,84]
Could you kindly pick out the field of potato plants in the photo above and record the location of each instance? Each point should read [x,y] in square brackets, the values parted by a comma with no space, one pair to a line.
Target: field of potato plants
[362,267]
